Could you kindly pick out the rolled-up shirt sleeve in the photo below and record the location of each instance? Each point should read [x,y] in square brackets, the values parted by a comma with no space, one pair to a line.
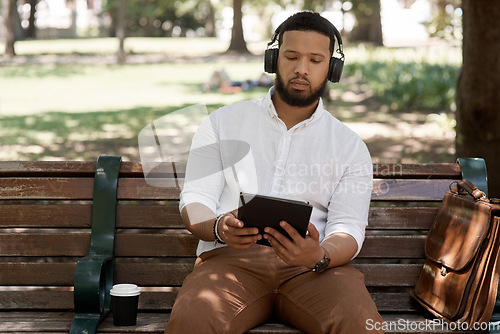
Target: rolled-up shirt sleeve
[350,202]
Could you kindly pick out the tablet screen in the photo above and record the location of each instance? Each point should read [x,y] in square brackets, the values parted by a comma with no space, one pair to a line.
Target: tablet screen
[261,211]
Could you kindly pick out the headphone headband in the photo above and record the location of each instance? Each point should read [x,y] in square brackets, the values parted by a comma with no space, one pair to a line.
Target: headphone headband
[340,50]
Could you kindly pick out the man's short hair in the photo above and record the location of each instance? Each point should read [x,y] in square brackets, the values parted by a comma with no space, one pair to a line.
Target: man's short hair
[308,21]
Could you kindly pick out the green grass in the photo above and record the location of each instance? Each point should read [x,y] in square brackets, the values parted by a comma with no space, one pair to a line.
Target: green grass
[133,45]
[32,89]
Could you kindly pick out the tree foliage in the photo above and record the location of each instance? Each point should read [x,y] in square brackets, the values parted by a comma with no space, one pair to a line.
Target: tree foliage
[446,22]
[160,18]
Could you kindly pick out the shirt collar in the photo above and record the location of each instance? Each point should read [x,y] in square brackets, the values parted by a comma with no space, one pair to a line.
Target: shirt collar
[268,102]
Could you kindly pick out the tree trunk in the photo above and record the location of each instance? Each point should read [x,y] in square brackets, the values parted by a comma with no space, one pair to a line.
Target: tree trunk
[10,10]
[31,33]
[368,27]
[478,89]
[120,31]
[238,43]
[210,21]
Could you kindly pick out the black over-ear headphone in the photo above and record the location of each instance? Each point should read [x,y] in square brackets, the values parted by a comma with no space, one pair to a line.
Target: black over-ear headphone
[336,64]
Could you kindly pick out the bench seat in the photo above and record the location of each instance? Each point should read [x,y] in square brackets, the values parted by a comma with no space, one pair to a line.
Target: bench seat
[45,228]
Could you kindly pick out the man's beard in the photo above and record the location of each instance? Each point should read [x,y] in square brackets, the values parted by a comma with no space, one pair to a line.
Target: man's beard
[294,98]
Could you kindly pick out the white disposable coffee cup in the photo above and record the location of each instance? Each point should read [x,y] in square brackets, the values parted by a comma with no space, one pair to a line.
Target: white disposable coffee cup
[124,303]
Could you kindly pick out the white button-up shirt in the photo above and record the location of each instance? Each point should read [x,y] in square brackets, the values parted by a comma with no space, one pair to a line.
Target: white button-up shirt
[247,147]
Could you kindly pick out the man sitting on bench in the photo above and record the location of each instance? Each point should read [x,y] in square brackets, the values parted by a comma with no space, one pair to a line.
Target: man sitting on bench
[294,149]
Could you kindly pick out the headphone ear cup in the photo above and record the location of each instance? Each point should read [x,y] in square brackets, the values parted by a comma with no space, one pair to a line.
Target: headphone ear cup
[335,70]
[271,60]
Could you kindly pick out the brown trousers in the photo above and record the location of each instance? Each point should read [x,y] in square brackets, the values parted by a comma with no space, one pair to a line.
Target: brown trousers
[232,291]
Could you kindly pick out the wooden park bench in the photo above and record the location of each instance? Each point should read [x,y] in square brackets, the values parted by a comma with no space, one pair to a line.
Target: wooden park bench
[46,211]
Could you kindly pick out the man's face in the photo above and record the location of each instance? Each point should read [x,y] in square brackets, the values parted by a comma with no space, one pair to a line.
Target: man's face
[303,62]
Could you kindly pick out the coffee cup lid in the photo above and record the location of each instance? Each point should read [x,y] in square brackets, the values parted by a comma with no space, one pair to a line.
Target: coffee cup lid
[125,290]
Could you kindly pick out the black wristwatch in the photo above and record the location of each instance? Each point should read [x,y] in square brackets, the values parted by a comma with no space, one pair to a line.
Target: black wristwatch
[322,265]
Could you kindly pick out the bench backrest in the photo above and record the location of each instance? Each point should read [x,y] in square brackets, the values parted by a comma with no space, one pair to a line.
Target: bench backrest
[45,223]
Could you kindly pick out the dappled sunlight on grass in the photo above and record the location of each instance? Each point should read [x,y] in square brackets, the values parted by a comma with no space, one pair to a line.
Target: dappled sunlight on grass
[78,112]
[48,136]
[393,136]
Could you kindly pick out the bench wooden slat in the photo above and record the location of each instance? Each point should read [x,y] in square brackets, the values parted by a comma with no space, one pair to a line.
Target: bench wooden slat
[135,188]
[149,216]
[77,243]
[150,272]
[393,302]
[417,171]
[61,298]
[167,216]
[36,273]
[390,275]
[393,246]
[172,243]
[79,216]
[46,215]
[155,272]
[46,188]
[44,243]
[35,322]
[47,168]
[144,271]
[401,218]
[36,298]
[409,190]
[128,168]
[68,168]
[79,189]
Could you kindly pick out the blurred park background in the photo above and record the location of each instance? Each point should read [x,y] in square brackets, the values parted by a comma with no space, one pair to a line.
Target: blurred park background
[81,78]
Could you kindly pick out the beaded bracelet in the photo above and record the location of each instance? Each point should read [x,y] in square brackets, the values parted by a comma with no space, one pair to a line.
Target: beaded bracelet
[216,232]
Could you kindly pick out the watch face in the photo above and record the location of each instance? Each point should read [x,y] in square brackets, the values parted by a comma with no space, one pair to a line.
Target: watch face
[322,265]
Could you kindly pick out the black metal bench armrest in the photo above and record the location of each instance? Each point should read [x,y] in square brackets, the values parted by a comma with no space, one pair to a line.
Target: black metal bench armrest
[474,170]
[94,273]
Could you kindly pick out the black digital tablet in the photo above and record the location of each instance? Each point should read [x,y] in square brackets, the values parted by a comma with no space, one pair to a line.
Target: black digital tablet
[261,211]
